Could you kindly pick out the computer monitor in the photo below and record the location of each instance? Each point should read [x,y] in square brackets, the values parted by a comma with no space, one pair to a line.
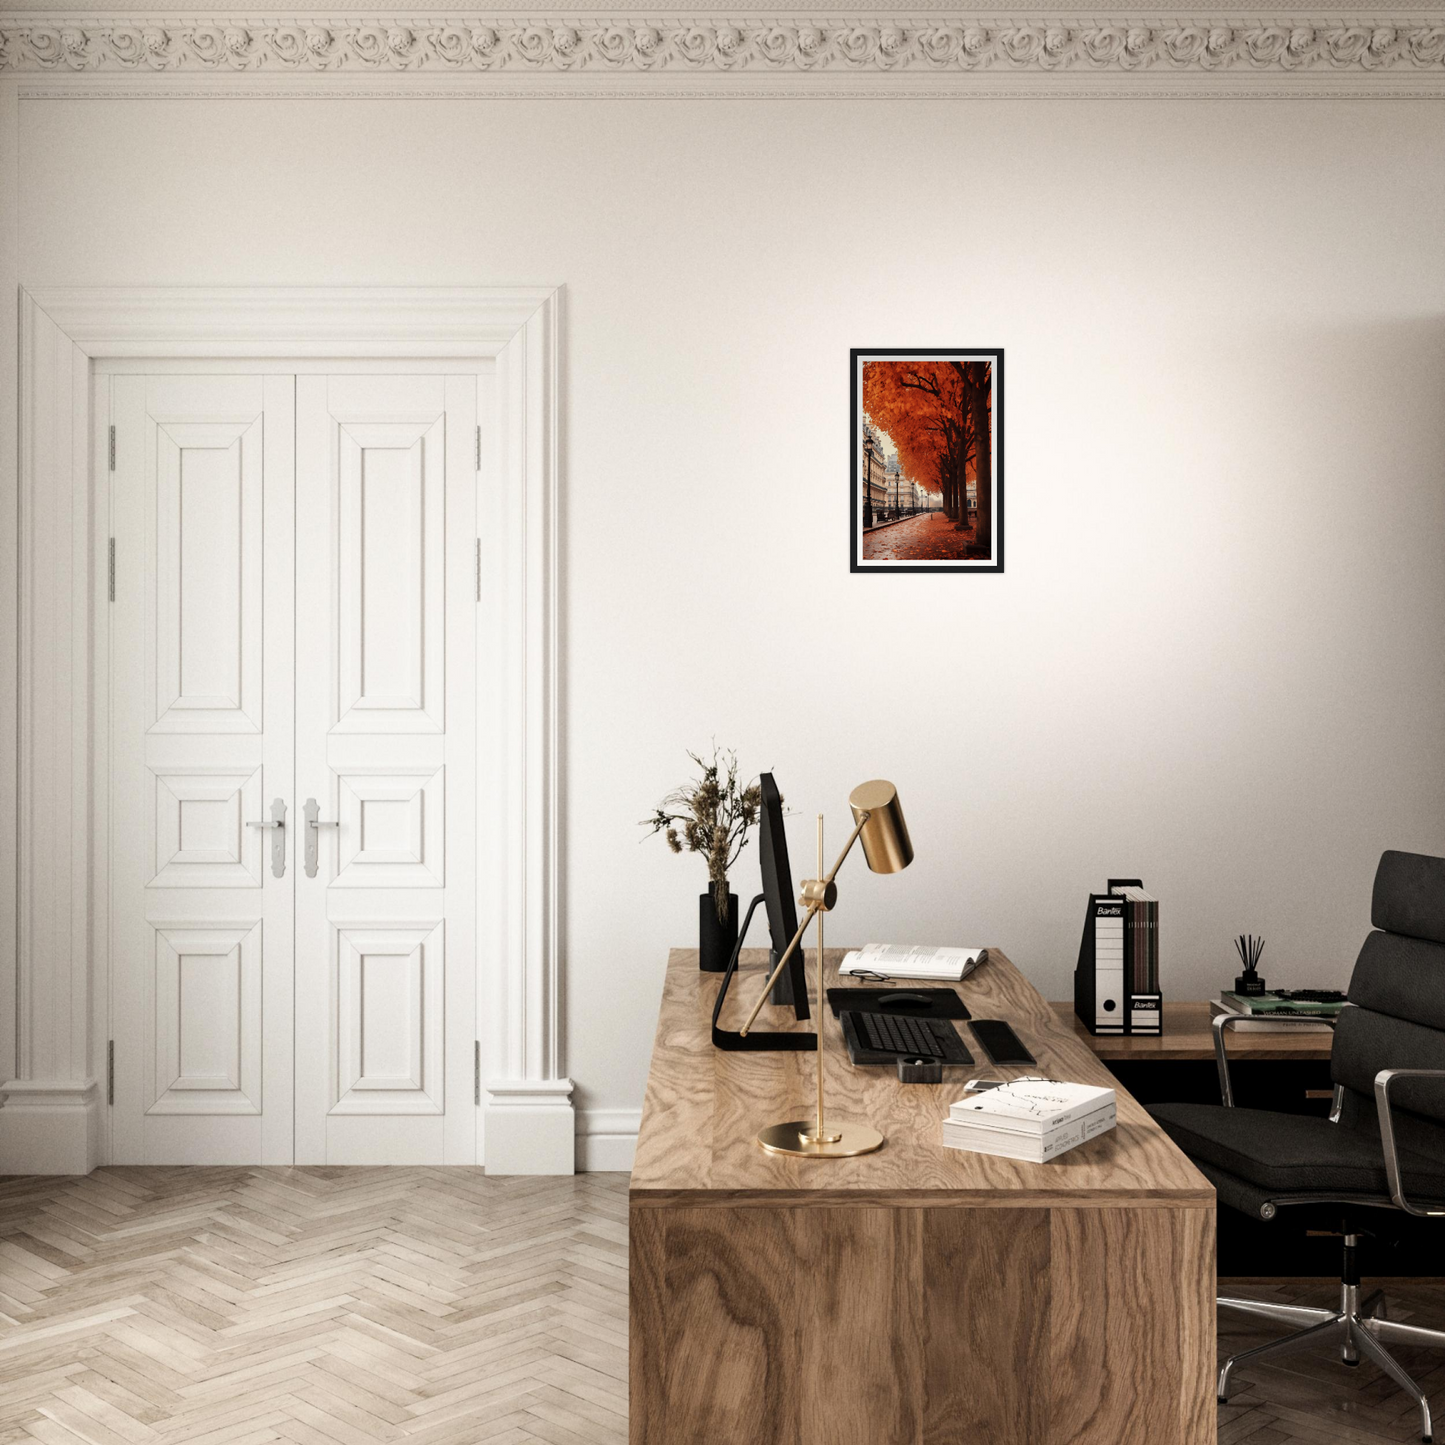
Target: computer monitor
[777,897]
[791,987]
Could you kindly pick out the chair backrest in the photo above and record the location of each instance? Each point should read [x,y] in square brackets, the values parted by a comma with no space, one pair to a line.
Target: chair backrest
[1398,993]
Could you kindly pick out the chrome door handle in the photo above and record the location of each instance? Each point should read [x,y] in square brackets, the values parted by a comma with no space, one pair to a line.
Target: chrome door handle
[278,843]
[314,825]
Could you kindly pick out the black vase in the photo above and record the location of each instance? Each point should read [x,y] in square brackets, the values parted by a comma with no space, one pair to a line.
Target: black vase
[716,941]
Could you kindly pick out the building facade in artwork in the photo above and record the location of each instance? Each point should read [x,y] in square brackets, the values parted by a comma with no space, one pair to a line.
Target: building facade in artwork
[875,472]
[900,492]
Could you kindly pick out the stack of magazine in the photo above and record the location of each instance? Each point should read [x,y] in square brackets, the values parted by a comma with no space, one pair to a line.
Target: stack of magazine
[1032,1119]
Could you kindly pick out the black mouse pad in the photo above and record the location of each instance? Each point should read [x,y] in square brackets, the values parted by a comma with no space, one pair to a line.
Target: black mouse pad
[915,1003]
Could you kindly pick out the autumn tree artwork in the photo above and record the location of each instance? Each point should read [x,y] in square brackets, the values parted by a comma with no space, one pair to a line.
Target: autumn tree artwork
[927,485]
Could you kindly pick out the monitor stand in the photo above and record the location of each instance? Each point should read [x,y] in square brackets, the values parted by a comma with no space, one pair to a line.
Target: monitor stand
[758,1040]
[782,993]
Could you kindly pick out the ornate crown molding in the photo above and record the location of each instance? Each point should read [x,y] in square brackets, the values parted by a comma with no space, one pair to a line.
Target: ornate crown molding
[879,46]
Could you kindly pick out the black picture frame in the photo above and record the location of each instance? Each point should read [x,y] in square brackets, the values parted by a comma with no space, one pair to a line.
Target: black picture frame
[994,563]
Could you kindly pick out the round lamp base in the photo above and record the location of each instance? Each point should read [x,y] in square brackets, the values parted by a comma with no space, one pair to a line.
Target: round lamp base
[794,1137]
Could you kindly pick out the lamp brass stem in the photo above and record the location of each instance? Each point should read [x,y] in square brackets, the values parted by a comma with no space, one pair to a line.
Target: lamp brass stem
[819,1026]
[819,1134]
[879,823]
[813,910]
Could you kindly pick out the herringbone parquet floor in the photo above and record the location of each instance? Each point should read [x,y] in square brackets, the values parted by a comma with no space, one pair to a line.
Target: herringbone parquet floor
[317,1306]
[429,1307]
[1312,1398]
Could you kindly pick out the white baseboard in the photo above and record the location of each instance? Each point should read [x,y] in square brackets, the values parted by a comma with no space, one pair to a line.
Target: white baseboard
[607,1139]
[530,1127]
[49,1126]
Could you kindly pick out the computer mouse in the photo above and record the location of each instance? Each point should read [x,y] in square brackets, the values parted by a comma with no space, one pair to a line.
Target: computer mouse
[903,999]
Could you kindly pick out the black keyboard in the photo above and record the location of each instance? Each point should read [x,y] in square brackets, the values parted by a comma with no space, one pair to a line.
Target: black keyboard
[902,1037]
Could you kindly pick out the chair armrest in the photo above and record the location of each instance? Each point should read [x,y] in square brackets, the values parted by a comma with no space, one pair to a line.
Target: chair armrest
[1383,1080]
[1222,1022]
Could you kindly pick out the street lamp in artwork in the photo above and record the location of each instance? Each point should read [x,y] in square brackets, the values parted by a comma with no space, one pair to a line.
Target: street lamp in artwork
[868,473]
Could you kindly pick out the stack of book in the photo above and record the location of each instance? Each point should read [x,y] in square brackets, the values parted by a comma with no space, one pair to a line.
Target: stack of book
[1265,1012]
[1031,1119]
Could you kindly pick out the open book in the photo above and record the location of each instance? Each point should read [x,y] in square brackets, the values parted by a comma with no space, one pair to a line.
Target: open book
[901,960]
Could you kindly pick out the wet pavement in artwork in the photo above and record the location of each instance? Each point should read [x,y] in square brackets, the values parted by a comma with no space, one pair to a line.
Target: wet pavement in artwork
[929,538]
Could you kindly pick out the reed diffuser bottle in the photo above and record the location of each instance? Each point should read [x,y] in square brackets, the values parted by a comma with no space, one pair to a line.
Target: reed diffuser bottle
[1249,948]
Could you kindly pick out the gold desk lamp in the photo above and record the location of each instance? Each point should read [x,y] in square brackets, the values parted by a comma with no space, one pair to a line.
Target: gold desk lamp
[878,821]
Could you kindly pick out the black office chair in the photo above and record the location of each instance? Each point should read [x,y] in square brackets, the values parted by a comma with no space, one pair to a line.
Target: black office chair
[1382,1150]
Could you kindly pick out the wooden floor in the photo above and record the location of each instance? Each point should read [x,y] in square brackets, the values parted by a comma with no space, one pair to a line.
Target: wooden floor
[241,1306]
[346,1306]
[1312,1397]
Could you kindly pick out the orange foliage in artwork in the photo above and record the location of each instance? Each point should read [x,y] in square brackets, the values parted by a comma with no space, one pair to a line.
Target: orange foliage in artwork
[939,414]
[924,408]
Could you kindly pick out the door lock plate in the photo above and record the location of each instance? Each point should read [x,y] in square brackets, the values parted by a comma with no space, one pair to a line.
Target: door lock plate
[314,825]
[277,824]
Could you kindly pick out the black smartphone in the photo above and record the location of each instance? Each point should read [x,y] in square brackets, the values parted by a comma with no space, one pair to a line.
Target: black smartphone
[1000,1042]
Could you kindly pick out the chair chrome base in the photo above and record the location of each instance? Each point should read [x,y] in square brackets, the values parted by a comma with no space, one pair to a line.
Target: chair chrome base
[1359,1327]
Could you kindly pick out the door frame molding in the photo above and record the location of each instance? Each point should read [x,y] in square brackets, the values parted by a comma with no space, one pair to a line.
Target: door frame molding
[54,1004]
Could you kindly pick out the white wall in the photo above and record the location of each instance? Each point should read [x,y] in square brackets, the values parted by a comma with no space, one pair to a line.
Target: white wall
[1214,660]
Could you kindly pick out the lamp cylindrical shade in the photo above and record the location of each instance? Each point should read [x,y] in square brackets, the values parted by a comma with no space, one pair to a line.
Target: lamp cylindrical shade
[885,840]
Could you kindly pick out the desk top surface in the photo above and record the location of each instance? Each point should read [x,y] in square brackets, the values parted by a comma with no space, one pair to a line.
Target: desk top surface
[1188,1036]
[705,1106]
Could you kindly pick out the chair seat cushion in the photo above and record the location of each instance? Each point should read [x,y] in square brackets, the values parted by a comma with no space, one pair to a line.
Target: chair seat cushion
[1292,1153]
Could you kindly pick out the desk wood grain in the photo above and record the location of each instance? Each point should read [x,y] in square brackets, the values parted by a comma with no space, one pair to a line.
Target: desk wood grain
[919,1295]
[704,1107]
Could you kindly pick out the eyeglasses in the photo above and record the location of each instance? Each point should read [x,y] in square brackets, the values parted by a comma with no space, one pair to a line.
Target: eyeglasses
[871,976]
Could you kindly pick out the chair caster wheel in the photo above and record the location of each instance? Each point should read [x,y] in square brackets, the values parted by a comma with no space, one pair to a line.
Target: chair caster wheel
[1221,1399]
[1353,1364]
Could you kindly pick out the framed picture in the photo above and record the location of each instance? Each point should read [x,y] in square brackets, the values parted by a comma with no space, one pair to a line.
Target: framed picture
[927,484]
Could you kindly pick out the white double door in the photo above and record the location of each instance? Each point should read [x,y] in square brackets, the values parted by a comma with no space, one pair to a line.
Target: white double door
[292,642]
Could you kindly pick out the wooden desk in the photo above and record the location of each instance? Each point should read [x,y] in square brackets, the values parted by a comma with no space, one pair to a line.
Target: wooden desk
[919,1295]
[1187,1036]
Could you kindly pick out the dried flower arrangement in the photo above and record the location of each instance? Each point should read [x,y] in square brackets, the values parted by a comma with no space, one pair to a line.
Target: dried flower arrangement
[711,816]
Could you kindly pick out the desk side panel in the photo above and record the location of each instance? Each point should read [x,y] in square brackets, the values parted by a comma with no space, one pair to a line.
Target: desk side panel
[858,1282]
[1132,1326]
[867,1326]
[985,1308]
[720,1342]
[646,1322]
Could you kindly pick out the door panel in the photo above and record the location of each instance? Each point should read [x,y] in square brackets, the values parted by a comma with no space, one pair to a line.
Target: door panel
[385,676]
[209,559]
[202,742]
[390,574]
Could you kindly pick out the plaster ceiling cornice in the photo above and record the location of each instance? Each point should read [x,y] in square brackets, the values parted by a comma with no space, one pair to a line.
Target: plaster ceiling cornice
[922,51]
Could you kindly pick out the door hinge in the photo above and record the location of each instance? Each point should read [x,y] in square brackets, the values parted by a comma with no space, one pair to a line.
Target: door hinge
[112,448]
[110,569]
[477,1072]
[479,446]
[110,1072]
